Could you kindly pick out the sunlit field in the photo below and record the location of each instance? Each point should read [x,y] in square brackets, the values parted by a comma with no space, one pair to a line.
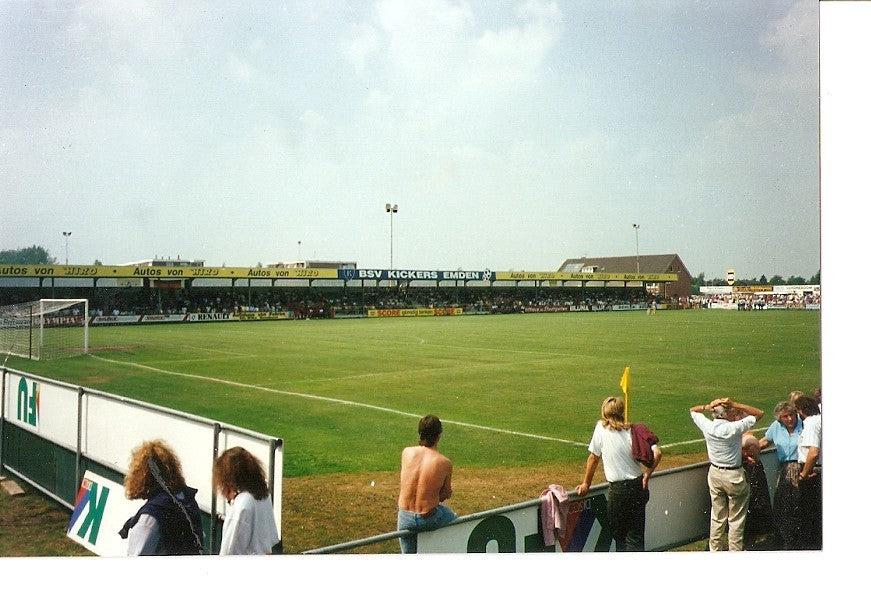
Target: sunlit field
[512,390]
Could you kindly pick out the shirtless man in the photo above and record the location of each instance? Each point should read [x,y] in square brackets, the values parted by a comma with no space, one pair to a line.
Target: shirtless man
[424,482]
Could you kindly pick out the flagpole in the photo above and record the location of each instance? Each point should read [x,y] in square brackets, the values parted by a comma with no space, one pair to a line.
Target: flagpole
[624,384]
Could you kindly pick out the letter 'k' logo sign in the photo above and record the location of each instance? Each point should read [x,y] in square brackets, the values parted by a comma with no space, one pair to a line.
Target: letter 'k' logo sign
[91,502]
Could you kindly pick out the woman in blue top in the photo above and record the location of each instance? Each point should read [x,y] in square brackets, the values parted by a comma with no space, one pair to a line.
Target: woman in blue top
[784,434]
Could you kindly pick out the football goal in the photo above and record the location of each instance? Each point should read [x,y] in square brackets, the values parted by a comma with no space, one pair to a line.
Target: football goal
[44,329]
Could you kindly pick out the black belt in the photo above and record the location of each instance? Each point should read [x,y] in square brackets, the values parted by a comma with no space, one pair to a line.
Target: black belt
[726,467]
[637,479]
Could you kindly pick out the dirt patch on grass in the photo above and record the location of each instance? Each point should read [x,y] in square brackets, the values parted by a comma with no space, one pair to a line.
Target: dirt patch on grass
[324,510]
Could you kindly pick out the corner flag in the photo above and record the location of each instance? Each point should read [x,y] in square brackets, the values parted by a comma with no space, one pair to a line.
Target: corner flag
[624,384]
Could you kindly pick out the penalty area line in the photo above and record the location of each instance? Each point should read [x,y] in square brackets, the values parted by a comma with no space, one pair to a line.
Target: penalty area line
[334,400]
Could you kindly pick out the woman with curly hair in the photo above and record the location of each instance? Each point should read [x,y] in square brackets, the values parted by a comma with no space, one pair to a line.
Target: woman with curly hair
[169,521]
[249,527]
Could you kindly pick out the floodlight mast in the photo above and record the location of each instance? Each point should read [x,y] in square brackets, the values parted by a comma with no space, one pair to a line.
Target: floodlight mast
[391,209]
[67,246]
[637,257]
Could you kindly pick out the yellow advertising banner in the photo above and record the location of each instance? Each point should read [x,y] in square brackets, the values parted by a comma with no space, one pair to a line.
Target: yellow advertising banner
[130,271]
[414,312]
[140,271]
[580,276]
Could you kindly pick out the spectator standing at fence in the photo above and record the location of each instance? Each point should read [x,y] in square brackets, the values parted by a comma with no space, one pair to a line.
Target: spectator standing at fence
[249,527]
[627,477]
[810,477]
[424,483]
[784,434]
[169,522]
[730,492]
[759,531]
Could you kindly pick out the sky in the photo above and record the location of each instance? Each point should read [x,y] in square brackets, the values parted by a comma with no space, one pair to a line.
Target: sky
[511,135]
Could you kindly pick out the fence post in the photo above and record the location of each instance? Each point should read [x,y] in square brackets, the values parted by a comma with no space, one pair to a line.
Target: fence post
[2,414]
[79,426]
[213,518]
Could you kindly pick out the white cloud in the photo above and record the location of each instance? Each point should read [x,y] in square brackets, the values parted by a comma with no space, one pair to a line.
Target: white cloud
[795,40]
[358,49]
[238,68]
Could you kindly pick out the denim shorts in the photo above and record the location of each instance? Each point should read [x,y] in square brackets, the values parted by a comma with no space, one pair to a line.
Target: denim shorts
[413,521]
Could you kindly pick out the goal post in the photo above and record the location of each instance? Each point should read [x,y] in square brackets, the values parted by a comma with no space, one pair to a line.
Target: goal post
[44,329]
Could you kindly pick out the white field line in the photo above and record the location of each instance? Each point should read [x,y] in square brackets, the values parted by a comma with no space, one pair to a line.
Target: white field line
[364,405]
[394,373]
[334,400]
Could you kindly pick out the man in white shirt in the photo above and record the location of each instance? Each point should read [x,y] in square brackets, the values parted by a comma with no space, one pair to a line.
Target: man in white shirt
[730,492]
[810,479]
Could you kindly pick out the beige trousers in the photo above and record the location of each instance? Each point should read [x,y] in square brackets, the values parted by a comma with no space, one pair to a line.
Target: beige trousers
[730,497]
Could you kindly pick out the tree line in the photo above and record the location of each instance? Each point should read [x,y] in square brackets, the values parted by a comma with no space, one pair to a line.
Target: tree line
[777,279]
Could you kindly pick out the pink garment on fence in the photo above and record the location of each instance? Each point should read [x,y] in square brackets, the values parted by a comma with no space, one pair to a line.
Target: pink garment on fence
[554,512]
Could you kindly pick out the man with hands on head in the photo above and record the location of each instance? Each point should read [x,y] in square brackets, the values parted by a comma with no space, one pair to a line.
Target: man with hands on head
[730,492]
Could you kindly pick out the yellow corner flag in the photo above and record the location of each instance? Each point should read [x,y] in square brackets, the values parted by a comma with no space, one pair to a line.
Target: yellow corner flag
[624,384]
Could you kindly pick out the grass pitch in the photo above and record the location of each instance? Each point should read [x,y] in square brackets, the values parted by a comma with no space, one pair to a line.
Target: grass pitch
[513,390]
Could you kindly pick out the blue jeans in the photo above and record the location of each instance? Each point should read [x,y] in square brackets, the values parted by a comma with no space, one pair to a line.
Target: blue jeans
[412,521]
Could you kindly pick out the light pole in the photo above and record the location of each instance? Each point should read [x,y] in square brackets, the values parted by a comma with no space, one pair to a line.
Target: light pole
[391,209]
[637,259]
[67,246]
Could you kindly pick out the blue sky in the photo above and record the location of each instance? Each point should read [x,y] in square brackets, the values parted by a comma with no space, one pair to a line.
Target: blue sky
[511,134]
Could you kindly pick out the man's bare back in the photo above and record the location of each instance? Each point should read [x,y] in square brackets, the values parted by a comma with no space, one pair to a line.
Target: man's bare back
[424,479]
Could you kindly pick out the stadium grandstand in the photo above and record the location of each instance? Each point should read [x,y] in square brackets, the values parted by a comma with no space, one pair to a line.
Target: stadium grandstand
[642,264]
[170,290]
[304,289]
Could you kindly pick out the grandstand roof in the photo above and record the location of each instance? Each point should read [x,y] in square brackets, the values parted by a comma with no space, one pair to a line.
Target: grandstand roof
[659,264]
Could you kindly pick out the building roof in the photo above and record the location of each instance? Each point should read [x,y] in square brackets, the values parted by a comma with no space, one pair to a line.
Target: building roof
[646,264]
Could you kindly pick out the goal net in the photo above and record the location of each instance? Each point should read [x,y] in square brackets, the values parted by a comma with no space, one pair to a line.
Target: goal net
[44,329]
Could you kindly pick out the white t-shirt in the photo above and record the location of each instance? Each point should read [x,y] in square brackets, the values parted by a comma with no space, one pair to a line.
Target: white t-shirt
[615,449]
[249,527]
[811,436]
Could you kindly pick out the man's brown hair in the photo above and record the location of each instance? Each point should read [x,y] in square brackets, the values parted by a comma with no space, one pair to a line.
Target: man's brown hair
[428,429]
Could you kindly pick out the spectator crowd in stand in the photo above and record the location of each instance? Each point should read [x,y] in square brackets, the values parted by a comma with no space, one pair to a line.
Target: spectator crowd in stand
[323,302]
[328,302]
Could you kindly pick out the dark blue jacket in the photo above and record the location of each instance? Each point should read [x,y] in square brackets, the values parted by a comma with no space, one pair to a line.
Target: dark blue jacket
[176,536]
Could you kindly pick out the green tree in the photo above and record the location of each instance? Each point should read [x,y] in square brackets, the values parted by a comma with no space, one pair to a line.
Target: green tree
[777,279]
[815,279]
[796,280]
[34,255]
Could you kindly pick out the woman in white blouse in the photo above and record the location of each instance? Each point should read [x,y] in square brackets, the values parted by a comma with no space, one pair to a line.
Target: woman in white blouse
[249,526]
